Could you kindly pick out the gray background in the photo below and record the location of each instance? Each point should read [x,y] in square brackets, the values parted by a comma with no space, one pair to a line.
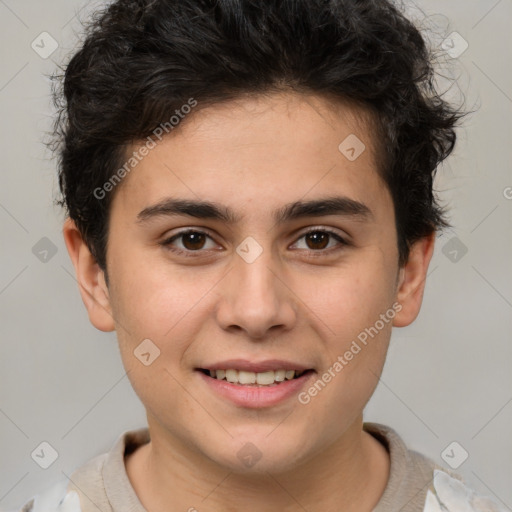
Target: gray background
[447,377]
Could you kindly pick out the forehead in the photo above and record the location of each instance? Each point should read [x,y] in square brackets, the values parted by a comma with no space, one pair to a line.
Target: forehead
[261,151]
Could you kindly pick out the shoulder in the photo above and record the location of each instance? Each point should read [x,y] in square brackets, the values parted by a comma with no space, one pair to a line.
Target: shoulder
[96,483]
[449,494]
[64,496]
[418,484]
[57,498]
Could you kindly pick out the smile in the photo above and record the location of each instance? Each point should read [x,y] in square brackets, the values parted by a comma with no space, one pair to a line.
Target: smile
[255,389]
[246,378]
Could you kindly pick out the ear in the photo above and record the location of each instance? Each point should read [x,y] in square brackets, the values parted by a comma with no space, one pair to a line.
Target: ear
[90,277]
[411,281]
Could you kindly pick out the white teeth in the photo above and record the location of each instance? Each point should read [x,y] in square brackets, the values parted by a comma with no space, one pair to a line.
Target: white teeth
[232,376]
[247,377]
[260,379]
[279,375]
[265,378]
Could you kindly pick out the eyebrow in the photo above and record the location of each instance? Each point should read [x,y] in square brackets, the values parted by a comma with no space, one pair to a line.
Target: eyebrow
[338,205]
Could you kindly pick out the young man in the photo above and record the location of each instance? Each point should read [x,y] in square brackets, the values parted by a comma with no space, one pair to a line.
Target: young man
[249,189]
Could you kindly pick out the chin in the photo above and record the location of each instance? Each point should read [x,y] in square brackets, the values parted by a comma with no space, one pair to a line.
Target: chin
[259,453]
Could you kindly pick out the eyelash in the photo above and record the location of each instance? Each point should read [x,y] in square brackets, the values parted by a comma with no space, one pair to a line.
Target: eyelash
[313,253]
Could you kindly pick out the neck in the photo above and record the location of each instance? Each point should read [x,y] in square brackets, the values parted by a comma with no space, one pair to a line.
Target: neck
[349,474]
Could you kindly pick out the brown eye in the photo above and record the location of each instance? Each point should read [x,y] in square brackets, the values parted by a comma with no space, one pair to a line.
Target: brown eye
[321,241]
[317,239]
[189,242]
[193,240]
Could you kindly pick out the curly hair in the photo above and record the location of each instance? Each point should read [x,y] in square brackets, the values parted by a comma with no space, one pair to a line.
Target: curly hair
[143,59]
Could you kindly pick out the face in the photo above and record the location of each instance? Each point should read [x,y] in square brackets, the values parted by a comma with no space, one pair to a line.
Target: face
[247,240]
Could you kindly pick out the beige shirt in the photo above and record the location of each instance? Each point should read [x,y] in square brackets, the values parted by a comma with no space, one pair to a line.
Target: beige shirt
[103,484]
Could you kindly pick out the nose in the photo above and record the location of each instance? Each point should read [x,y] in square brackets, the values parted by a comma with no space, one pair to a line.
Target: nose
[255,298]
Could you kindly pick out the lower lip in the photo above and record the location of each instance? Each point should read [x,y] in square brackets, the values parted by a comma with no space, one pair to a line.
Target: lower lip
[254,396]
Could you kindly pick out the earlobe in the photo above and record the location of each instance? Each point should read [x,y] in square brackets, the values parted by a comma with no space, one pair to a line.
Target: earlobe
[411,282]
[90,277]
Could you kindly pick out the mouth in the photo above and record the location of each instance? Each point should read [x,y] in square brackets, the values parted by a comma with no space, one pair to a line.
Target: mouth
[255,389]
[254,379]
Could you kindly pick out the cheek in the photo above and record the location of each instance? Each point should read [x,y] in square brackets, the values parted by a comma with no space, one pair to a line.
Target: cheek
[150,299]
[355,306]
[151,310]
[352,297]
[158,303]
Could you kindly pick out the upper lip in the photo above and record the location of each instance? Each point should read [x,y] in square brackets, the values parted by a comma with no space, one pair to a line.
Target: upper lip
[256,367]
